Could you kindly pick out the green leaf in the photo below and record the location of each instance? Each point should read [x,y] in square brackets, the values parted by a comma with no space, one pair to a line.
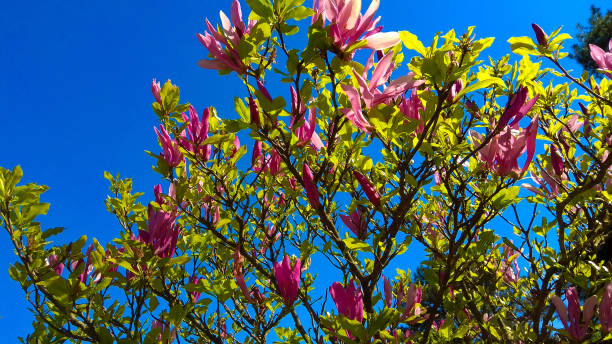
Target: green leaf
[412,42]
[181,260]
[263,8]
[522,45]
[480,84]
[217,139]
[52,231]
[355,244]
[299,13]
[170,96]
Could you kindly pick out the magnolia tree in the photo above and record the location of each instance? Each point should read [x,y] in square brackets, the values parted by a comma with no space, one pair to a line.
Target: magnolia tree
[498,170]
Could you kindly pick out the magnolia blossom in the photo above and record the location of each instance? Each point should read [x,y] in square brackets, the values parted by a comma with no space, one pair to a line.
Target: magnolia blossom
[171,152]
[162,233]
[53,262]
[222,43]
[164,328]
[410,298]
[311,189]
[355,223]
[368,188]
[502,152]
[410,107]
[288,279]
[304,130]
[602,58]
[198,132]
[347,25]
[388,292]
[605,309]
[195,296]
[570,316]
[239,276]
[156,90]
[541,36]
[370,92]
[348,300]
[509,266]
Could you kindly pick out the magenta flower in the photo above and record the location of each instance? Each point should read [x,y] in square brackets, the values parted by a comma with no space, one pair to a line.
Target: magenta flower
[355,223]
[370,92]
[388,292]
[410,107]
[222,44]
[602,58]
[257,158]
[198,132]
[556,160]
[541,36]
[311,189]
[349,301]
[288,279]
[156,89]
[411,298]
[455,89]
[162,233]
[509,265]
[605,309]
[517,107]
[368,188]
[195,296]
[347,25]
[239,276]
[306,131]
[570,316]
[171,154]
[502,152]
[164,327]
[263,90]
[254,112]
[55,264]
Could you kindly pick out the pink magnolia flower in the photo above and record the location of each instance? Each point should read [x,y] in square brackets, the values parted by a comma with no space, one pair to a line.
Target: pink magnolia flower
[348,300]
[306,131]
[156,89]
[605,309]
[288,279]
[602,58]
[164,328]
[455,89]
[355,223]
[541,36]
[556,160]
[369,90]
[222,44]
[239,276]
[570,316]
[388,292]
[257,159]
[263,90]
[410,107]
[171,152]
[368,188]
[198,132]
[195,296]
[347,25]
[517,107]
[254,111]
[509,265]
[502,152]
[311,189]
[411,298]
[162,233]
[55,264]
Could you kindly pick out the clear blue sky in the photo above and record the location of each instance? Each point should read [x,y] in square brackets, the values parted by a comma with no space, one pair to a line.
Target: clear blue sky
[76,101]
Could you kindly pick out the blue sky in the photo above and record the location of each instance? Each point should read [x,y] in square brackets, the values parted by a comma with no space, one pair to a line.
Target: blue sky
[76,101]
